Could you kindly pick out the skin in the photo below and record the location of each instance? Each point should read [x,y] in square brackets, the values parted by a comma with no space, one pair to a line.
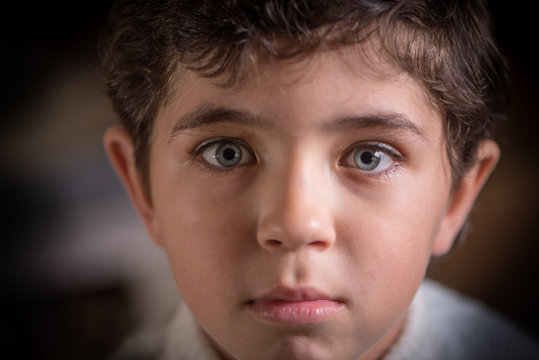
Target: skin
[297,211]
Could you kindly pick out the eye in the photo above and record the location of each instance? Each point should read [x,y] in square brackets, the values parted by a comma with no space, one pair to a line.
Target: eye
[225,153]
[373,158]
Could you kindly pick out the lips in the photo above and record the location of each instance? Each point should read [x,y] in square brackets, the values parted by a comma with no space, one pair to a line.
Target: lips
[295,306]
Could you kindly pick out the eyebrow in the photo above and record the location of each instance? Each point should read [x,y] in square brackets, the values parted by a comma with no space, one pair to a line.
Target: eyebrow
[388,120]
[209,114]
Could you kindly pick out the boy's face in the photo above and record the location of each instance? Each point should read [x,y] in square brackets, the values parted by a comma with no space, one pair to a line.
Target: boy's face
[299,208]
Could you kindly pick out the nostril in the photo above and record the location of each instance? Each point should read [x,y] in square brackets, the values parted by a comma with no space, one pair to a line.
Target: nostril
[273,242]
[318,243]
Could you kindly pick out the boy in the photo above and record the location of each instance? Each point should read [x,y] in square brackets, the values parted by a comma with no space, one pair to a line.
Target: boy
[300,162]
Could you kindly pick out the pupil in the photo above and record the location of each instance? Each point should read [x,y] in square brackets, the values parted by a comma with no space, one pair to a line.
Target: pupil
[367,157]
[229,154]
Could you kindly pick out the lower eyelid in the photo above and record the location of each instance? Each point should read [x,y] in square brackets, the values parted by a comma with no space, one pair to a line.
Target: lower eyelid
[389,173]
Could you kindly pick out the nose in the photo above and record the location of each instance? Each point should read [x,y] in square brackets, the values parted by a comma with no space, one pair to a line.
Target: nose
[296,211]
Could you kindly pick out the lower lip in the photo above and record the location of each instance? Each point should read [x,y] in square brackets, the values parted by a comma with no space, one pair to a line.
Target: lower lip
[295,312]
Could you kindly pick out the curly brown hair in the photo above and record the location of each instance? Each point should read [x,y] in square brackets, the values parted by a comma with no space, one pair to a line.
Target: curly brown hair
[445,45]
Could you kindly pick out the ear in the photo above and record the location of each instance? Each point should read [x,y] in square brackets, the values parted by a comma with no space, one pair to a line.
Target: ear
[464,196]
[120,150]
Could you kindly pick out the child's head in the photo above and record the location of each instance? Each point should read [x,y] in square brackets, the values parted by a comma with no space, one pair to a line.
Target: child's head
[301,161]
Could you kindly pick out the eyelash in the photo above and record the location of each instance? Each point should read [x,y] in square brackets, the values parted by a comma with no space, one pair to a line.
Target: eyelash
[397,158]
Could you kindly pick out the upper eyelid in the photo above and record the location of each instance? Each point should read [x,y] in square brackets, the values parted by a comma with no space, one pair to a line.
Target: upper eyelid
[207,143]
[391,150]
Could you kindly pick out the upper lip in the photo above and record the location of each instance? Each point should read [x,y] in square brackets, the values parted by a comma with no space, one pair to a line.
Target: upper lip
[282,293]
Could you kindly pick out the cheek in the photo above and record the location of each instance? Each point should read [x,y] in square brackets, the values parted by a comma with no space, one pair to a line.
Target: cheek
[203,239]
[391,235]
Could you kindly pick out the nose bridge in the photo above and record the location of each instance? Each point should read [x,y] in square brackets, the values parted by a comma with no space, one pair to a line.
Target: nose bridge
[296,210]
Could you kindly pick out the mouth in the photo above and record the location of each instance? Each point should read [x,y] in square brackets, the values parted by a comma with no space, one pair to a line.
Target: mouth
[295,306]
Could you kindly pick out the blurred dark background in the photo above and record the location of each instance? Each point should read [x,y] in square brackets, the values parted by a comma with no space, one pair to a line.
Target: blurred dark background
[77,269]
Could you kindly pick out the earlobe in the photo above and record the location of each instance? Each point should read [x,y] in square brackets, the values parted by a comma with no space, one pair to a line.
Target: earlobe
[120,150]
[464,196]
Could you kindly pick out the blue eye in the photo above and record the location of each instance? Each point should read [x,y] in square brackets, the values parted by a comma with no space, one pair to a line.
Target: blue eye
[373,158]
[226,153]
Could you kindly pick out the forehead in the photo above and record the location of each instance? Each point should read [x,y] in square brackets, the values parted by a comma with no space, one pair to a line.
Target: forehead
[313,90]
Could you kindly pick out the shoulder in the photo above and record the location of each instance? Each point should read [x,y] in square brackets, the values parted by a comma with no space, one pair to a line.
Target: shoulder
[444,324]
